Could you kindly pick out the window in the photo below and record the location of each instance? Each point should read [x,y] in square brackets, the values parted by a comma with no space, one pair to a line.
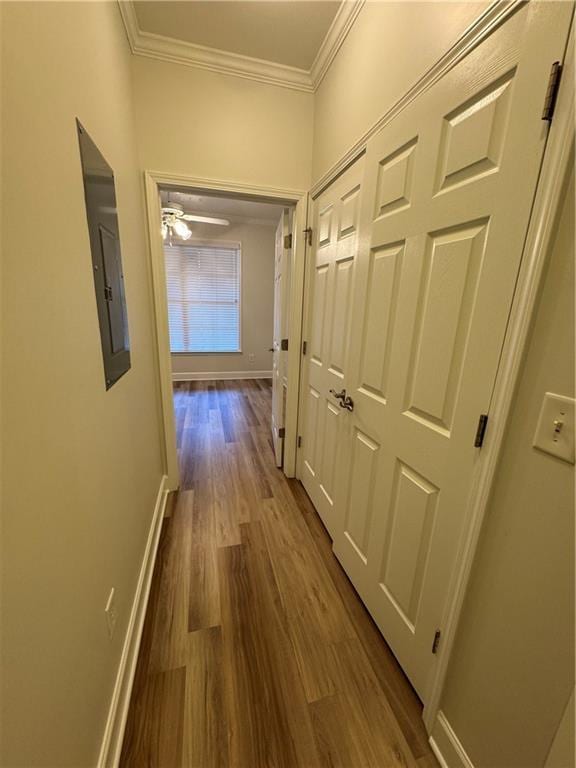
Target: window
[203,283]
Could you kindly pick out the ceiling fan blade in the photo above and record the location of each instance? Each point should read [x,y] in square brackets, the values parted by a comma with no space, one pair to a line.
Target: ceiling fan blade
[205,219]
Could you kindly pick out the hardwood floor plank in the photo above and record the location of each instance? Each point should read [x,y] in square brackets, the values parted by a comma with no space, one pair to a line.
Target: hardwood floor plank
[154,735]
[405,703]
[205,721]
[369,712]
[169,641]
[170,503]
[338,744]
[204,591]
[304,583]
[427,761]
[246,499]
[270,724]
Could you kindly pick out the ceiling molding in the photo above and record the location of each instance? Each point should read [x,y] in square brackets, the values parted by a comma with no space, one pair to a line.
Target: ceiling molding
[489,20]
[341,25]
[169,49]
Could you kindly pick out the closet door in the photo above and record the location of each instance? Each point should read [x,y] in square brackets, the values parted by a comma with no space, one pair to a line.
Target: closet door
[445,207]
[325,371]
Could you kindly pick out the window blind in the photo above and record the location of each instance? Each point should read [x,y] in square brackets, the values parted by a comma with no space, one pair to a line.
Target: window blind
[203,285]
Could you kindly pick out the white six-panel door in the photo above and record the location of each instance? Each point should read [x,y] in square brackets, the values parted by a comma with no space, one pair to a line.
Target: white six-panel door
[330,285]
[279,357]
[445,198]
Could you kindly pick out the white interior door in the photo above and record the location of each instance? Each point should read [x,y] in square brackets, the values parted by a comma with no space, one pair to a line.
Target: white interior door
[330,282]
[282,261]
[445,206]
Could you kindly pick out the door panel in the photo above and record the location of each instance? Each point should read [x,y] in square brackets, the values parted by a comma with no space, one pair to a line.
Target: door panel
[335,223]
[282,260]
[448,285]
[343,274]
[361,489]
[446,198]
[408,541]
[384,269]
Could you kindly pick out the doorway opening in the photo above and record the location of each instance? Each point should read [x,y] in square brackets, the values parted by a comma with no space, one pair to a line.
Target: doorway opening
[228,270]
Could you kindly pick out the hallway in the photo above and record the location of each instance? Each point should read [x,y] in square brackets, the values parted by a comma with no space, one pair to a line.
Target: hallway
[256,650]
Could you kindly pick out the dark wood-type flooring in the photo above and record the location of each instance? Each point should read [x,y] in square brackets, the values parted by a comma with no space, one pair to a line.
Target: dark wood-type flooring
[256,649]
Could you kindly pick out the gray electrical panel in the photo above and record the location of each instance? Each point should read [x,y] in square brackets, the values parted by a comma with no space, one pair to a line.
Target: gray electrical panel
[100,196]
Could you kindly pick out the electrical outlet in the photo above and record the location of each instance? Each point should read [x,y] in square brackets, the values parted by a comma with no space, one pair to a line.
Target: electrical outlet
[251,357]
[110,612]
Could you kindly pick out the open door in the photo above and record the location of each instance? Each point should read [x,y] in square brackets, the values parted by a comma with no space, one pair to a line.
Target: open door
[280,346]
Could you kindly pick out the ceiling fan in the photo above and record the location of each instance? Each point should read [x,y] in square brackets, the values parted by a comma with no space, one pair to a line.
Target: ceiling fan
[174,220]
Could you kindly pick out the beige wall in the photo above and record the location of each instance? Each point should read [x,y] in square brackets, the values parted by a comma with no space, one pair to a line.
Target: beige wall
[257,302]
[389,48]
[204,124]
[81,466]
[512,671]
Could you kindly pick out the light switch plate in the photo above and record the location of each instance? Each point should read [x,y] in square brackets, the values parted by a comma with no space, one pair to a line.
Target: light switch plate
[555,430]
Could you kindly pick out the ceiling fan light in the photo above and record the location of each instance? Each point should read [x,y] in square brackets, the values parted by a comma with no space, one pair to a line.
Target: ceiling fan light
[182,229]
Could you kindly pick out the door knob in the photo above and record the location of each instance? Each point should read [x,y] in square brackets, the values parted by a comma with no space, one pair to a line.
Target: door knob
[339,395]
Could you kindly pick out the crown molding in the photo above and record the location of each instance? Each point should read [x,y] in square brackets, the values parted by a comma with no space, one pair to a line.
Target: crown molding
[495,14]
[337,33]
[169,49]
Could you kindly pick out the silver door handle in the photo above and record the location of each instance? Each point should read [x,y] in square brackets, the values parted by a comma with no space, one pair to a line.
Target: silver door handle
[345,400]
[347,403]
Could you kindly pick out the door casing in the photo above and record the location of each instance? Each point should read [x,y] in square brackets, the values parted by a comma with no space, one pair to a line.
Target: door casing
[153,180]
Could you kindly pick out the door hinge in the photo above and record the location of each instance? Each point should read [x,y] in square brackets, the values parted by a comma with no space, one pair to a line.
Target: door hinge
[282,432]
[552,91]
[299,441]
[284,345]
[288,241]
[308,233]
[436,641]
[304,347]
[481,430]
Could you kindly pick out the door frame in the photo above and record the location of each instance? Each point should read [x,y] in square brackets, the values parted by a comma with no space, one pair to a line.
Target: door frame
[558,160]
[153,180]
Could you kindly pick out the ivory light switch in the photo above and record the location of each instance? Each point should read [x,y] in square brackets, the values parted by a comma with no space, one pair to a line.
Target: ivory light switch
[555,430]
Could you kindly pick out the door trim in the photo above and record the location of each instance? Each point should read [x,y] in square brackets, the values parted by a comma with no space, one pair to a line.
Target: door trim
[556,165]
[298,198]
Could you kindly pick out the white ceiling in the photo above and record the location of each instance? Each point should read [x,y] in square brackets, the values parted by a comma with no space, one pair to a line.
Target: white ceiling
[226,207]
[288,32]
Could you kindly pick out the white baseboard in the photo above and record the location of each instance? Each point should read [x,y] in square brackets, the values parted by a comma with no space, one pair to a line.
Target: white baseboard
[118,712]
[446,745]
[219,375]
